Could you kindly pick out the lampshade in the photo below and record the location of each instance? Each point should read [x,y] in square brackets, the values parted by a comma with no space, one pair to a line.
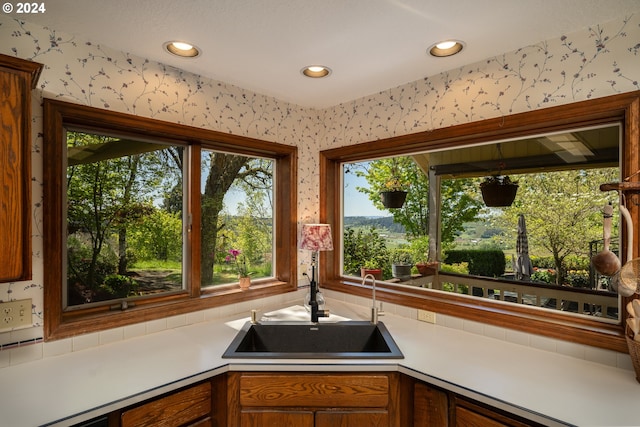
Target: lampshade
[316,237]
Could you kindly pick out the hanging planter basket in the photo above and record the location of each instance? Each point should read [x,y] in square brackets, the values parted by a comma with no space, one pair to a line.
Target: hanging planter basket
[498,191]
[393,199]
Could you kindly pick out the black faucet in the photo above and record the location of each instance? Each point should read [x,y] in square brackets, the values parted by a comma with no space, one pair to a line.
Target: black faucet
[316,313]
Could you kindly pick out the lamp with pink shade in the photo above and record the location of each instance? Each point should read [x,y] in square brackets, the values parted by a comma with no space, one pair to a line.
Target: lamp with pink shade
[315,238]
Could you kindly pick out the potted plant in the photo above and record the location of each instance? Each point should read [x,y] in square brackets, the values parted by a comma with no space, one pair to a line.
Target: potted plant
[401,264]
[427,268]
[498,190]
[240,263]
[394,195]
[394,192]
[420,251]
[371,267]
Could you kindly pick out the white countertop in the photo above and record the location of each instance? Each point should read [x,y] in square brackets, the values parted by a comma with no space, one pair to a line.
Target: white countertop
[67,389]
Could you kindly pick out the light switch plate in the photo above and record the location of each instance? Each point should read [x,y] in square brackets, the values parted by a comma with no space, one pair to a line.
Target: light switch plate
[301,271]
[15,313]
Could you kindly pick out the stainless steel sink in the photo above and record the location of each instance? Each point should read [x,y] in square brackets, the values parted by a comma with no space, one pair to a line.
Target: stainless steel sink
[351,339]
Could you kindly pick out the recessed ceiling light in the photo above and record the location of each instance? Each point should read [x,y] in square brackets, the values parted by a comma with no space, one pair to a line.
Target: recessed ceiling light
[446,48]
[316,71]
[183,49]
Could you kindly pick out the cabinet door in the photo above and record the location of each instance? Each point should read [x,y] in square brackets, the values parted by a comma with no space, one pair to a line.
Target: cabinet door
[207,422]
[468,414]
[430,407]
[17,77]
[468,418]
[175,410]
[276,418]
[352,419]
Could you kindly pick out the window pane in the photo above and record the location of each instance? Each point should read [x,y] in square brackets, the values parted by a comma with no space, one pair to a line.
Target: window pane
[535,250]
[124,218]
[237,217]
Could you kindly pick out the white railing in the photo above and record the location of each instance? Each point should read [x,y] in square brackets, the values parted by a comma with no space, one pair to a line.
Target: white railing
[583,301]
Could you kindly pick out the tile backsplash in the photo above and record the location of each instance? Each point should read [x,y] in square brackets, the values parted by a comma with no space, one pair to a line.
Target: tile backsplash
[35,349]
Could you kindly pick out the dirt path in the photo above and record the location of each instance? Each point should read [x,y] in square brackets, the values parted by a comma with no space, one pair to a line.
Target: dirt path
[156,281]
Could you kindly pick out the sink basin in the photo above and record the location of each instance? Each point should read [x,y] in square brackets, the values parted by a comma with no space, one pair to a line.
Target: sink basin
[352,339]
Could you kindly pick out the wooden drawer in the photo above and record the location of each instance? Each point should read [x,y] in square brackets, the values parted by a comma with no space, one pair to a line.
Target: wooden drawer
[174,410]
[349,419]
[277,419]
[311,390]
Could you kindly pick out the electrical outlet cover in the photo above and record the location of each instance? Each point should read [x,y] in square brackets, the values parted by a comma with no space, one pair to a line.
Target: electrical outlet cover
[15,313]
[426,316]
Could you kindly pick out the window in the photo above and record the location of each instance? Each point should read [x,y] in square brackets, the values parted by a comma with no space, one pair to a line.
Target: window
[124,219]
[238,234]
[618,112]
[144,216]
[534,249]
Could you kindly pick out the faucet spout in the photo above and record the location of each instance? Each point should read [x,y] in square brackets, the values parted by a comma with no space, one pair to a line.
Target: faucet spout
[375,311]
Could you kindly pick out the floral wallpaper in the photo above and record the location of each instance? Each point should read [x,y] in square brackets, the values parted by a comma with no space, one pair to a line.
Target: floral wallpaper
[599,61]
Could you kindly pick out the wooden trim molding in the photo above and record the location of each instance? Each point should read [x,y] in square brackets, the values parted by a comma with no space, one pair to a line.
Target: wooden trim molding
[623,109]
[59,116]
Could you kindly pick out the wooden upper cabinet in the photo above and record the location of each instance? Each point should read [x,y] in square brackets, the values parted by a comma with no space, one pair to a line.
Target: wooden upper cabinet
[17,78]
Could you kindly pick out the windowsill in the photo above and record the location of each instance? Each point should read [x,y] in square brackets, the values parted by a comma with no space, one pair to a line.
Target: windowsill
[527,319]
[75,323]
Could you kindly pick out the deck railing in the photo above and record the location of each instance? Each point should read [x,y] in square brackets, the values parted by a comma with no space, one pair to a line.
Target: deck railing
[583,301]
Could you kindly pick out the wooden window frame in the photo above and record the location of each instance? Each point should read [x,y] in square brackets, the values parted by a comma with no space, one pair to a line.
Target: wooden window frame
[59,116]
[623,109]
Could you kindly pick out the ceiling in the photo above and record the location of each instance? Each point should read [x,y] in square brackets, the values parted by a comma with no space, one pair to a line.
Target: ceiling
[371,45]
[595,147]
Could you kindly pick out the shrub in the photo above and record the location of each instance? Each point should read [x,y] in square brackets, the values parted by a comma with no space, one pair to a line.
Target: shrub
[578,278]
[364,247]
[79,264]
[419,248]
[459,268]
[119,286]
[488,263]
[544,275]
[574,262]
[543,262]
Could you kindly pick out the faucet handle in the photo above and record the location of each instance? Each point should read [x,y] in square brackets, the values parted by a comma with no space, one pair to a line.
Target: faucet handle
[375,313]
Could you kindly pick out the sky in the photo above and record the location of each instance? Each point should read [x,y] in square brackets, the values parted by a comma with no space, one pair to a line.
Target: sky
[355,202]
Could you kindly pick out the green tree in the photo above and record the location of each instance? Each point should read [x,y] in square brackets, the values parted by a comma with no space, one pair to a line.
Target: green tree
[111,185]
[458,202]
[225,170]
[563,212]
[159,236]
[253,230]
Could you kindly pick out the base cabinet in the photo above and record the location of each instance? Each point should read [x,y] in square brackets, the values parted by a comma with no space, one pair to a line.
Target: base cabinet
[430,406]
[296,399]
[434,407]
[470,414]
[186,408]
[198,405]
[312,400]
